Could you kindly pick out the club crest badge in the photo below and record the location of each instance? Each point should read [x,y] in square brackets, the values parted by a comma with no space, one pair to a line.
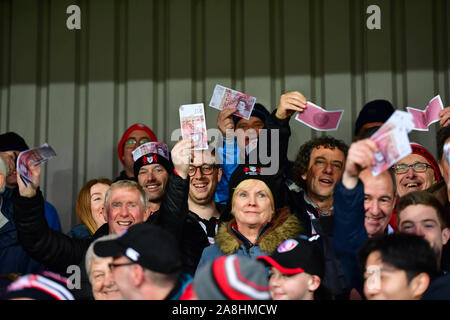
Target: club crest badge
[253,171]
[287,245]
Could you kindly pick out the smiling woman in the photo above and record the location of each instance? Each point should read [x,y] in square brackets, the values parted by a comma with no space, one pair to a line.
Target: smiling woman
[89,208]
[259,225]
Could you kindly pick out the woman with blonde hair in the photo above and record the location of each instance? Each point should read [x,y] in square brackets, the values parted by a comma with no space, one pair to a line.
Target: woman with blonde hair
[90,208]
[259,226]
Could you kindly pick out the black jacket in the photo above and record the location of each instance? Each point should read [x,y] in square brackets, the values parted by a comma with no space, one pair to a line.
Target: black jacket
[195,239]
[58,251]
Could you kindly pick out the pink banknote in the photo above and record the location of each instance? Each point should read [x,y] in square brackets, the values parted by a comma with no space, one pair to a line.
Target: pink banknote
[319,119]
[424,118]
[38,156]
[151,147]
[193,125]
[393,146]
[226,98]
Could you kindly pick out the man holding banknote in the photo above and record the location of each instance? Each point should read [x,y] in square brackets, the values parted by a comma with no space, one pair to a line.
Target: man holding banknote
[13,257]
[317,169]
[125,205]
[235,149]
[363,205]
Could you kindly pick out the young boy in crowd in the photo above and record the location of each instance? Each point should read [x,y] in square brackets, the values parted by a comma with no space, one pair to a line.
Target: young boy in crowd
[296,272]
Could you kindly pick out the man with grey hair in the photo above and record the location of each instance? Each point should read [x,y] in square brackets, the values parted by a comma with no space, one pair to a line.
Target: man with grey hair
[125,206]
[363,206]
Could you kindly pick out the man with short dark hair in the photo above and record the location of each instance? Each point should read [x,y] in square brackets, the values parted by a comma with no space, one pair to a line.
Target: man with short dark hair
[397,267]
[422,214]
[205,214]
[363,207]
[371,117]
[235,149]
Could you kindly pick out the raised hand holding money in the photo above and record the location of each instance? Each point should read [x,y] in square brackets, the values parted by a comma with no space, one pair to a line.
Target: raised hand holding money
[360,156]
[181,156]
[37,156]
[29,190]
[290,103]
[392,141]
[193,125]
[226,98]
[225,120]
[319,119]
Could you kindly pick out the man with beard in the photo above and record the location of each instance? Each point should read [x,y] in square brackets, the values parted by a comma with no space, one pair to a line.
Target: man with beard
[152,173]
[204,215]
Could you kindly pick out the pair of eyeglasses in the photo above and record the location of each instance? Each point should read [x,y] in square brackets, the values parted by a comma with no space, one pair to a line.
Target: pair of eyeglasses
[417,167]
[205,169]
[133,142]
[115,265]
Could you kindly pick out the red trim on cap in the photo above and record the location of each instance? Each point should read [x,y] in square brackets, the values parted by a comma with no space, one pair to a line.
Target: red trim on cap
[188,293]
[422,151]
[220,274]
[136,126]
[276,265]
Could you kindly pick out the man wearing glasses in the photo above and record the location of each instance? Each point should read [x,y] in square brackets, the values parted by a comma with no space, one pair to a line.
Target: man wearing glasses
[204,213]
[136,135]
[201,224]
[143,271]
[417,171]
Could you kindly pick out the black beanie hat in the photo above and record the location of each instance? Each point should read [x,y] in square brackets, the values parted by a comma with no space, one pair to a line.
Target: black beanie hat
[258,172]
[12,141]
[152,158]
[258,111]
[374,111]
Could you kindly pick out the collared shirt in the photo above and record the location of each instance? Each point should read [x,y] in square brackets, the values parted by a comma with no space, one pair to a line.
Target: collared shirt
[209,226]
[316,214]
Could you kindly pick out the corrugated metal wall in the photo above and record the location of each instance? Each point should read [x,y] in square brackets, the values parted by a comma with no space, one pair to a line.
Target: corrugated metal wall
[139,60]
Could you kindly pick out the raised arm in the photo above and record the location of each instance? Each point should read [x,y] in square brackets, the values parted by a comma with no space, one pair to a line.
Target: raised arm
[174,206]
[51,248]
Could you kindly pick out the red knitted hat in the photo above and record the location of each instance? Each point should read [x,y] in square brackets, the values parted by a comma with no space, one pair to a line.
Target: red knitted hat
[136,126]
[420,150]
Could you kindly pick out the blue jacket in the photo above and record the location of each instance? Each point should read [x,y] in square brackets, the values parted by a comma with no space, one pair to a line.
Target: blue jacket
[229,153]
[13,258]
[349,231]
